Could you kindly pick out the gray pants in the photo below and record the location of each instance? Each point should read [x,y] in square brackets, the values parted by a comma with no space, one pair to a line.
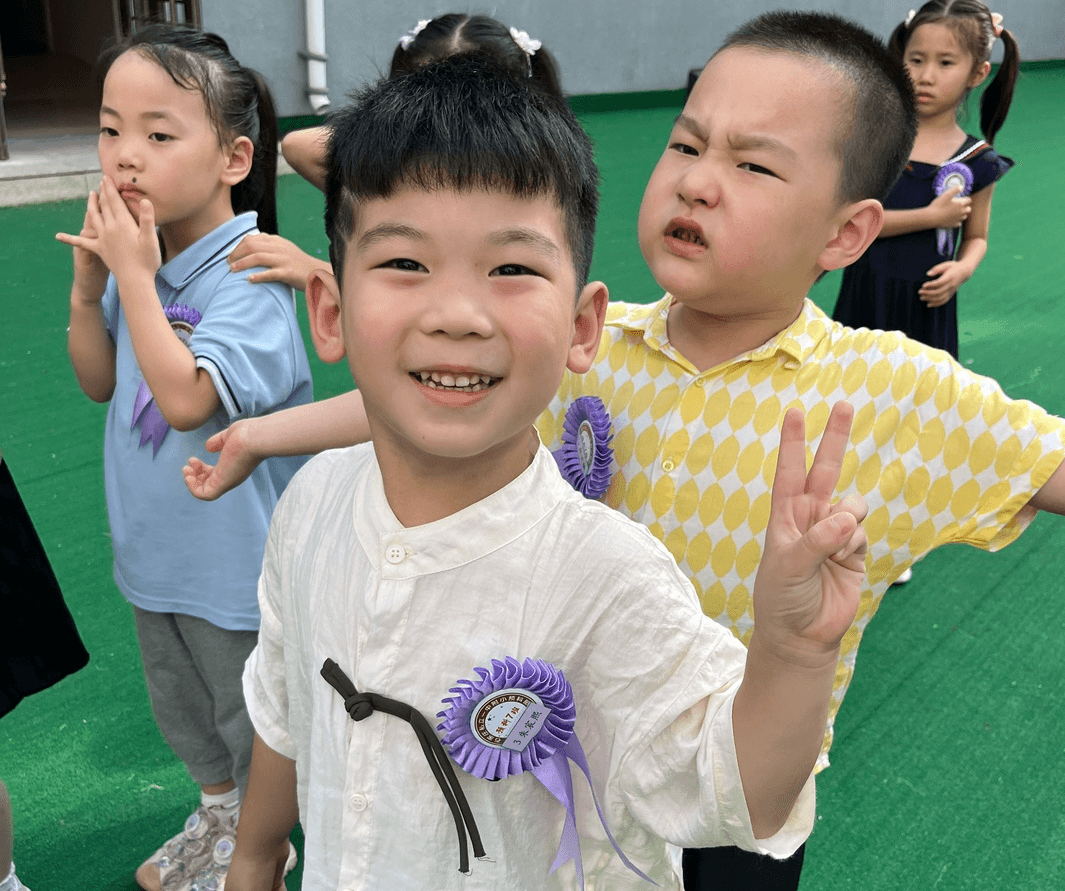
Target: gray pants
[193,670]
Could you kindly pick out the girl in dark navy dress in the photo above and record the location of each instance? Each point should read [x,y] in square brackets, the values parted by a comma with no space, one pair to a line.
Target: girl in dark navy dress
[908,278]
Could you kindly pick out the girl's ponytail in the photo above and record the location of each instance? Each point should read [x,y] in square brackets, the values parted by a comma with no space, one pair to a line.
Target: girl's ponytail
[995,103]
[258,190]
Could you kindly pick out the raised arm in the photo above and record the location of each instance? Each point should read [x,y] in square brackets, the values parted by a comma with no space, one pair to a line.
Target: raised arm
[805,598]
[301,430]
[305,151]
[92,351]
[267,816]
[184,393]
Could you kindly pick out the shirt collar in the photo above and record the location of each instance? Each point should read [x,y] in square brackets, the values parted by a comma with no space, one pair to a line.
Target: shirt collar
[178,272]
[400,552]
[795,343]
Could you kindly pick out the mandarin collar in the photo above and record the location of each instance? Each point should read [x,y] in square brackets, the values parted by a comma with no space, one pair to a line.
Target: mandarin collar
[397,551]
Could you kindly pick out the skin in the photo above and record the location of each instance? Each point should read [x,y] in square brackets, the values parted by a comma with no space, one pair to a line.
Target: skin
[943,73]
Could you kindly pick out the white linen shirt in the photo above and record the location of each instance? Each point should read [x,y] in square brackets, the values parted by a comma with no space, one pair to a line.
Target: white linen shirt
[534,570]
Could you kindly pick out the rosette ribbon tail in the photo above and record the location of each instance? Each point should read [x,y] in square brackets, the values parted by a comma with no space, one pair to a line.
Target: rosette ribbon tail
[361,705]
[154,426]
[554,773]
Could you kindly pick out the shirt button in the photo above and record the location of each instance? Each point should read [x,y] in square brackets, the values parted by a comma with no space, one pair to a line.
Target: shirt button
[668,465]
[358,802]
[700,382]
[395,554]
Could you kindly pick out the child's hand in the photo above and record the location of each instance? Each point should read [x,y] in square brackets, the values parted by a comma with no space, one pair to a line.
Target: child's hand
[950,210]
[235,464]
[944,279]
[124,243]
[810,577]
[284,261]
[90,272]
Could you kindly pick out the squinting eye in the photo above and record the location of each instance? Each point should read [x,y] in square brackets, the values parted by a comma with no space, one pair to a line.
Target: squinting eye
[756,168]
[683,148]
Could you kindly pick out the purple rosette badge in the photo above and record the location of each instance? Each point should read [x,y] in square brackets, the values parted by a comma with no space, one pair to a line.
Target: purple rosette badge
[948,177]
[183,319]
[585,455]
[517,717]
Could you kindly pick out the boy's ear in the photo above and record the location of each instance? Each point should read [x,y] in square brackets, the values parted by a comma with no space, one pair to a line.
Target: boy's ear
[588,327]
[323,312]
[862,224]
[238,161]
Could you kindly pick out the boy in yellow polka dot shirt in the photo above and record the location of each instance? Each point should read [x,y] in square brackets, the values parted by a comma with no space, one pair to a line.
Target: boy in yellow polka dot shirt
[769,178]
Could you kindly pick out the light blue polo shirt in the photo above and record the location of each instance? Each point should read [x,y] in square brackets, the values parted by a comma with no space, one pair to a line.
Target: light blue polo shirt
[174,553]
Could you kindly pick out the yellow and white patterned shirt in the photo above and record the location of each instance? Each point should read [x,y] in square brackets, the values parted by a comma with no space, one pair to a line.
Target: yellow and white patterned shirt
[940,454]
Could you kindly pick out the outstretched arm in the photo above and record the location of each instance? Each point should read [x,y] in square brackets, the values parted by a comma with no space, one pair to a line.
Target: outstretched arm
[301,430]
[267,816]
[805,598]
[282,259]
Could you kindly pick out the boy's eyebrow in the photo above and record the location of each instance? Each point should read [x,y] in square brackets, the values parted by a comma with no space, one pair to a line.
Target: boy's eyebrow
[384,231]
[526,237]
[737,142]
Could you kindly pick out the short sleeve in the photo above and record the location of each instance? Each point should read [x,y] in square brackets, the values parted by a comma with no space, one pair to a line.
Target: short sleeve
[265,688]
[249,342]
[988,167]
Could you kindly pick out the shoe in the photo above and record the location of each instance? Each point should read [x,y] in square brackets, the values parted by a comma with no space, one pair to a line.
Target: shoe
[177,862]
[213,876]
[905,576]
[11,882]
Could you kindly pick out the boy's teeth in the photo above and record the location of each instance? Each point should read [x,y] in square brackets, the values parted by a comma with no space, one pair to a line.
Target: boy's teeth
[687,235]
[443,380]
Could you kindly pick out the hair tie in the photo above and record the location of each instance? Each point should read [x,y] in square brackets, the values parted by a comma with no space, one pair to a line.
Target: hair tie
[996,24]
[528,44]
[909,17]
[407,39]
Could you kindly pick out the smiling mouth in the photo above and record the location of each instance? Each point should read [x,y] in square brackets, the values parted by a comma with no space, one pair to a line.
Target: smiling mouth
[686,235]
[461,383]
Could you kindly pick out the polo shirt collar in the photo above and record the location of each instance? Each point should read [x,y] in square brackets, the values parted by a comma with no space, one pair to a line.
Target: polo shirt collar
[492,523]
[178,272]
[796,342]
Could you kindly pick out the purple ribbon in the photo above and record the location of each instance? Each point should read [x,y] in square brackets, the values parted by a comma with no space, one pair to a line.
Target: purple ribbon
[948,177]
[154,427]
[585,456]
[517,717]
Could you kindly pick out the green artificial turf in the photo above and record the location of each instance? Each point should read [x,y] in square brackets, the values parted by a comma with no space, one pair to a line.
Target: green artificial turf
[947,760]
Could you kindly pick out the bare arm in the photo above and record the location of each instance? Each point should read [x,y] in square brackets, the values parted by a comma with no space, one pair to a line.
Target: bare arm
[92,352]
[284,261]
[305,150]
[267,816]
[945,278]
[1051,497]
[185,394]
[947,211]
[806,596]
[301,430]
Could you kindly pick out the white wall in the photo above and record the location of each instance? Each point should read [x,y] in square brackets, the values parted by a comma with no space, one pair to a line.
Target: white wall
[602,46]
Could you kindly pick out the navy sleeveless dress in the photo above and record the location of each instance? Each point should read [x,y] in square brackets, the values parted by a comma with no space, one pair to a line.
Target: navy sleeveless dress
[880,289]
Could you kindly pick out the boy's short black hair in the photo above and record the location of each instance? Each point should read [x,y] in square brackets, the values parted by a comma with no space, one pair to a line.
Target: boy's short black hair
[875,140]
[461,123]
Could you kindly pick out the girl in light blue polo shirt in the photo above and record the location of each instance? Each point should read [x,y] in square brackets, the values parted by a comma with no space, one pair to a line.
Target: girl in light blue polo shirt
[181,346]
